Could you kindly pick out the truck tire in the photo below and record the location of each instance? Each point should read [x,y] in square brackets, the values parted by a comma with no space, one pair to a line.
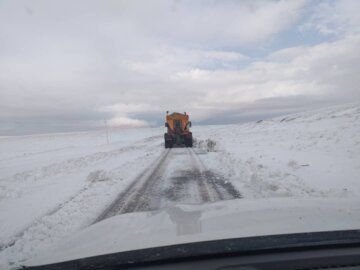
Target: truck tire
[168,143]
[189,142]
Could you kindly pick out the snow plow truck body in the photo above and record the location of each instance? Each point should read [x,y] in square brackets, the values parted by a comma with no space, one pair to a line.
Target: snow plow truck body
[178,133]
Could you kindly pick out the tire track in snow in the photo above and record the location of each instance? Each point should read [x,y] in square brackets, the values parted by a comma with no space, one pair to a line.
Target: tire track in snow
[213,186]
[205,191]
[136,196]
[147,192]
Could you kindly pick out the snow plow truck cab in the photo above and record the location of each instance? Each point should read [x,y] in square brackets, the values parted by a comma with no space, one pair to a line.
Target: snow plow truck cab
[178,133]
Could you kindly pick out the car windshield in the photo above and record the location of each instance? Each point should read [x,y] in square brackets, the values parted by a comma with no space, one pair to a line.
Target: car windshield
[130,125]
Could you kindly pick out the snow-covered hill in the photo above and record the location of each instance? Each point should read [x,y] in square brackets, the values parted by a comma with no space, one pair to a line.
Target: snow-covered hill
[316,153]
[56,184]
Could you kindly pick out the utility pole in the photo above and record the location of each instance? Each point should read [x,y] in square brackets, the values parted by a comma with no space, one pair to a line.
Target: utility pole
[107,131]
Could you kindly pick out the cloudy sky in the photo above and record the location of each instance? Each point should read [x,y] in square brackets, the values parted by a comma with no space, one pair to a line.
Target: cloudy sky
[69,65]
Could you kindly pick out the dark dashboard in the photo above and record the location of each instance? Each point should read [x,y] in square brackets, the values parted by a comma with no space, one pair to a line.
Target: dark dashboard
[303,251]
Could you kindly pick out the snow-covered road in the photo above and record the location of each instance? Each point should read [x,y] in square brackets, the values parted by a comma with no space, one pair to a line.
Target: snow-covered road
[159,178]
[53,185]
[177,176]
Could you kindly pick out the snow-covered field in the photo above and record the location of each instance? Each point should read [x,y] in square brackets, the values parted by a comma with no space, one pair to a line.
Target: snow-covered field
[56,184]
[315,153]
[53,185]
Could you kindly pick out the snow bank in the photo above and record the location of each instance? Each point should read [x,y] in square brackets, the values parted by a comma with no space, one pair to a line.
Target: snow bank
[315,153]
[55,184]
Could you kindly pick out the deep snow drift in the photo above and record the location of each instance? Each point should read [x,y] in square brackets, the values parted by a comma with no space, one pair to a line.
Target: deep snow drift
[57,184]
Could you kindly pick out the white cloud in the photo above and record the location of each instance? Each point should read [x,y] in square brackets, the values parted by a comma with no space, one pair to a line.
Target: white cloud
[121,114]
[327,69]
[126,122]
[165,60]
[196,75]
[335,18]
[126,60]
[125,108]
[219,23]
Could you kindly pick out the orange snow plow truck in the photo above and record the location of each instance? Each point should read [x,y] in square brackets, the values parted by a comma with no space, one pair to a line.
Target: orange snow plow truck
[178,133]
